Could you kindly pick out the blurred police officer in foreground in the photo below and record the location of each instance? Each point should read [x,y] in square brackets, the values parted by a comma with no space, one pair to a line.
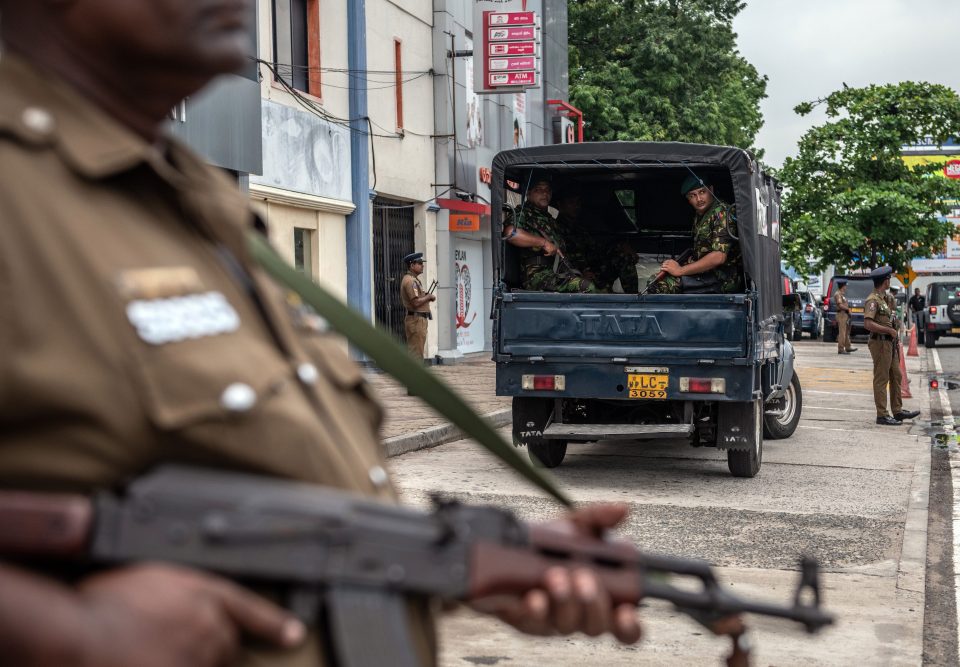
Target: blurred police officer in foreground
[880,320]
[416,304]
[136,330]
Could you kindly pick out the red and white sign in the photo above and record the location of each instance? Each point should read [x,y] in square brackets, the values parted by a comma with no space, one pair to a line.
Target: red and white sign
[513,49]
[513,79]
[512,18]
[512,34]
[952,169]
[512,64]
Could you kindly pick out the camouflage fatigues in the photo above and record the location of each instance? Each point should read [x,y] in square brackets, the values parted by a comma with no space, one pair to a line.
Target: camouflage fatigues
[538,269]
[607,261]
[884,350]
[713,231]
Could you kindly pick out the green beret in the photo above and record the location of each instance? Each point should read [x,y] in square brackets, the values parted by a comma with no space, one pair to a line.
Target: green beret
[692,182]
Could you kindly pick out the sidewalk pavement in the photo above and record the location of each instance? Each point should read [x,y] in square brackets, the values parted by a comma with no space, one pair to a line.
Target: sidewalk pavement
[411,425]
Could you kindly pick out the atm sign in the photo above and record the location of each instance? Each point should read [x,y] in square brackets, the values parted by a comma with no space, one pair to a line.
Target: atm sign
[513,79]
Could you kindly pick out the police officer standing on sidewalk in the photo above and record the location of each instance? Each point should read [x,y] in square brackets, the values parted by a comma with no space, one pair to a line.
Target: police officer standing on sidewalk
[843,319]
[879,319]
[416,303]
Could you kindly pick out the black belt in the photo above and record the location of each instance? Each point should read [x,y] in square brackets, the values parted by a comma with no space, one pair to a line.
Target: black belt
[424,315]
[876,336]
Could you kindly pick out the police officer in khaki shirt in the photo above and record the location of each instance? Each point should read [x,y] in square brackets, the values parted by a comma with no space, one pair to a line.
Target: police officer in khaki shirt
[136,330]
[416,304]
[843,319]
[880,320]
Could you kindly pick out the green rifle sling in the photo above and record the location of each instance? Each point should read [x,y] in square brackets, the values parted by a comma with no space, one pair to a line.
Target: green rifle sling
[395,360]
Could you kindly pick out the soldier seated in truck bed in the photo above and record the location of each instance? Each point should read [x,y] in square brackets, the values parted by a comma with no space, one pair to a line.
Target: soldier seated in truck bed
[607,232]
[715,265]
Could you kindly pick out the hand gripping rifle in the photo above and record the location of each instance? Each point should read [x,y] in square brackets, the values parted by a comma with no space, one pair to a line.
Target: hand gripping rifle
[681,260]
[350,562]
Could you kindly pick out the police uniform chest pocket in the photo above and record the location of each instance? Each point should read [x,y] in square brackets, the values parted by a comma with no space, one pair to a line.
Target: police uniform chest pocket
[208,379]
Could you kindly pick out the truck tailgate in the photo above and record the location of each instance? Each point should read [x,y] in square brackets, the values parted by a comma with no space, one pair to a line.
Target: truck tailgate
[688,326]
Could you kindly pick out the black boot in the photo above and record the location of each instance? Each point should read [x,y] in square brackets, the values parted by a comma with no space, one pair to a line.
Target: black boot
[887,420]
[906,414]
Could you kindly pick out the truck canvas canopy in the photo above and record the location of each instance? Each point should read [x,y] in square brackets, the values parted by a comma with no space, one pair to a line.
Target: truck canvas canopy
[631,192]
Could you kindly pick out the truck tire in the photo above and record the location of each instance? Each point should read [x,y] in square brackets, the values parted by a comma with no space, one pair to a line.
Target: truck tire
[530,417]
[777,427]
[746,462]
[547,454]
[829,334]
[930,340]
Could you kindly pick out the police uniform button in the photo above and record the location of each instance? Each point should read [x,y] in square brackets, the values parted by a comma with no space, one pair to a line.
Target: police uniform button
[307,373]
[238,397]
[378,476]
[37,119]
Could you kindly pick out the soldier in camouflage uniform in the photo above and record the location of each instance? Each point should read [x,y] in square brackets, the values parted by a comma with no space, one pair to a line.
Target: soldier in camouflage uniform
[716,251]
[603,263]
[541,241]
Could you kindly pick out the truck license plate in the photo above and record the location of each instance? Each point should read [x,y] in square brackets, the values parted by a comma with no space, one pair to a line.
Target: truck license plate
[647,385]
[955,330]
[856,310]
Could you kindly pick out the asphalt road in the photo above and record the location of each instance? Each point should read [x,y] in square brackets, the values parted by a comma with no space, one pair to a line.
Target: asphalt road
[842,489]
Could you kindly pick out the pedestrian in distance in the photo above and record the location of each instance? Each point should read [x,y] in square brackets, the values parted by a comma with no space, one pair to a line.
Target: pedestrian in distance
[138,330]
[880,321]
[416,304]
[918,308]
[844,325]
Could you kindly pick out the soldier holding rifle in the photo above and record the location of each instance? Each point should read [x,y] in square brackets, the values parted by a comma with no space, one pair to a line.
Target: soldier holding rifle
[137,329]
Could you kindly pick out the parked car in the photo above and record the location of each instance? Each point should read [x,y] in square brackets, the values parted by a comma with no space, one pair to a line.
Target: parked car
[943,311]
[811,315]
[858,289]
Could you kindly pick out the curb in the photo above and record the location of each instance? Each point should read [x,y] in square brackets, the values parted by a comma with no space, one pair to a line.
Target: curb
[438,435]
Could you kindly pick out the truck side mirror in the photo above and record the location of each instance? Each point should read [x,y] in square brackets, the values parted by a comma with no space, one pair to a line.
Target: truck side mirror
[791,303]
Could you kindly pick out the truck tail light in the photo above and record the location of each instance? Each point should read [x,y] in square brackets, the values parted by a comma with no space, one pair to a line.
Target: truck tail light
[933,310]
[826,303]
[543,382]
[703,385]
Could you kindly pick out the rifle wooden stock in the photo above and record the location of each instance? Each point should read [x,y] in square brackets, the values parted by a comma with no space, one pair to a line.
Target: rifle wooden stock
[44,525]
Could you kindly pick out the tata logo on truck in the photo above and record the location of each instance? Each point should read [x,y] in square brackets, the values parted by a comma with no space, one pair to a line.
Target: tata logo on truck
[610,324]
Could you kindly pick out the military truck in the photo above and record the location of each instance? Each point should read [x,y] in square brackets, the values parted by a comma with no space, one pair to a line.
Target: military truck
[707,370]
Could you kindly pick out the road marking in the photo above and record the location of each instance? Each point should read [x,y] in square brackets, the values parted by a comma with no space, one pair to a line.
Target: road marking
[948,427]
[823,407]
[838,393]
[824,428]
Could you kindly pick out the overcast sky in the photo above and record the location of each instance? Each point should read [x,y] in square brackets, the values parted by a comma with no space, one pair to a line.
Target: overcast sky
[809,48]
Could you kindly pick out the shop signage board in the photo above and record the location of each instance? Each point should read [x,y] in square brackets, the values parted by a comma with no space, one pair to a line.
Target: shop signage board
[512,49]
[508,60]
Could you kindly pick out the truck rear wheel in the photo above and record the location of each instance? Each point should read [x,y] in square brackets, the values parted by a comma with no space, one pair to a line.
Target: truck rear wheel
[829,334]
[930,340]
[530,417]
[779,426]
[746,462]
[547,454]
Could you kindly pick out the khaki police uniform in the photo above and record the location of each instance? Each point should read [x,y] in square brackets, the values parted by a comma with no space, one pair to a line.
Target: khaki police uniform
[843,323]
[883,349]
[415,321]
[136,329]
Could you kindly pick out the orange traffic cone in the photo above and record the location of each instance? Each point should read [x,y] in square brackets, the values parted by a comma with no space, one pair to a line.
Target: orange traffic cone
[905,382]
[912,350]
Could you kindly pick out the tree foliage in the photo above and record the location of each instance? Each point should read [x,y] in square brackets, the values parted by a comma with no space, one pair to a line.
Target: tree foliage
[850,199]
[663,70]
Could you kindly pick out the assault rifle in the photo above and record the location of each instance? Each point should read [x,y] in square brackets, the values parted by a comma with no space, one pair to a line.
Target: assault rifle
[681,260]
[351,561]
